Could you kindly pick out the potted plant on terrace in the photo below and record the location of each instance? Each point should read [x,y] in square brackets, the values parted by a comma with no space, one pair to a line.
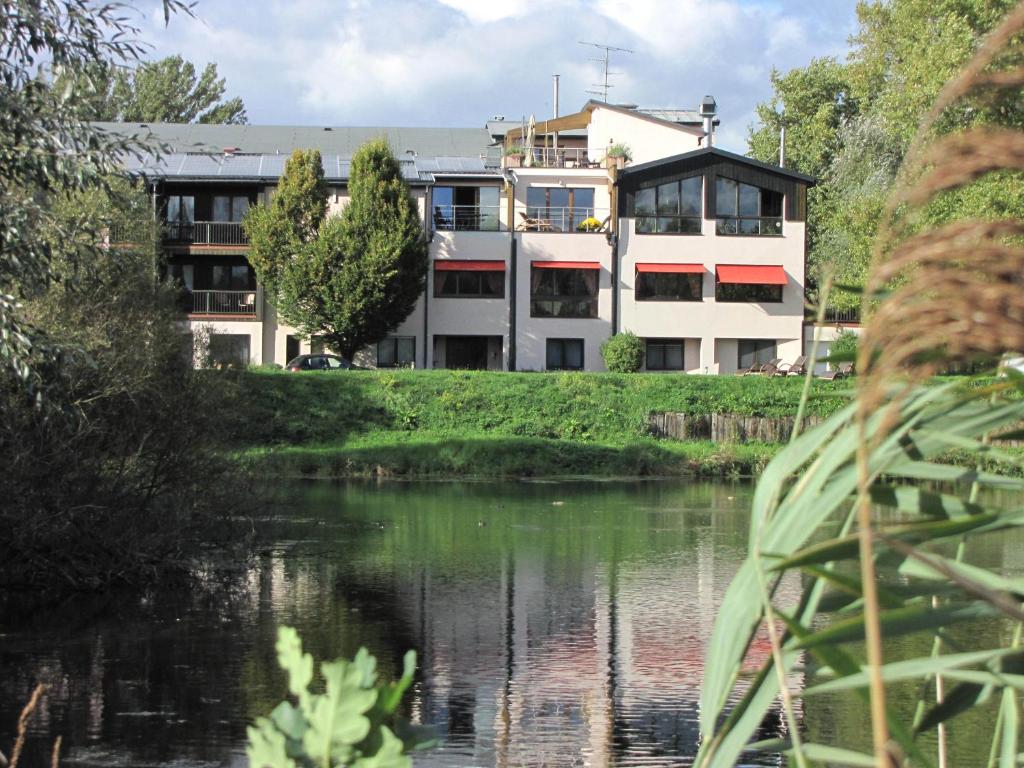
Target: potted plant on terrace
[589,224]
[514,156]
[618,155]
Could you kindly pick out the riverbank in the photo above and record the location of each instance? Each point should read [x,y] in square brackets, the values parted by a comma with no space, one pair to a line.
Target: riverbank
[446,424]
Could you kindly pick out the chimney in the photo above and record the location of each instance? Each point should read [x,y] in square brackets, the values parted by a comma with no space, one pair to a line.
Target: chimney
[708,108]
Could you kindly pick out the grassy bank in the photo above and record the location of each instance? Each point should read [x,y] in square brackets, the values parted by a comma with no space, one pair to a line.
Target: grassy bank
[454,423]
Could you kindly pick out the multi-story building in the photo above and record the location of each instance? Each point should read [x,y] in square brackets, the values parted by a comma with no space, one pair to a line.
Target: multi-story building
[544,240]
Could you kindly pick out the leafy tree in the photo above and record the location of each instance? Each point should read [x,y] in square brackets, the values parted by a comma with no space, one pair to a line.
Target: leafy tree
[623,353]
[348,279]
[166,91]
[46,147]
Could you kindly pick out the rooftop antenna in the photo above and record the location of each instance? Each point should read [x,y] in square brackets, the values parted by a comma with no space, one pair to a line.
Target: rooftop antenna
[603,92]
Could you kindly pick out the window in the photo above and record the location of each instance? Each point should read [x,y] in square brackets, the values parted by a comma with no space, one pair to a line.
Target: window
[755,351]
[562,209]
[229,208]
[672,208]
[663,286]
[473,209]
[747,292]
[743,209]
[563,292]
[396,352]
[469,284]
[181,214]
[565,354]
[229,350]
[664,355]
[224,276]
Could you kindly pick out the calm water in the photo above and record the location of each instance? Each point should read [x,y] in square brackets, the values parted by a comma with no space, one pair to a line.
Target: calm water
[557,624]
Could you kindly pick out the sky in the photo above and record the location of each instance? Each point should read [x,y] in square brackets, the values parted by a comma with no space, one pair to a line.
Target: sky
[460,62]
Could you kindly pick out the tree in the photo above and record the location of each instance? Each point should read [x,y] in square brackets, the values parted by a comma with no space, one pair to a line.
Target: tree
[348,279]
[164,91]
[623,353]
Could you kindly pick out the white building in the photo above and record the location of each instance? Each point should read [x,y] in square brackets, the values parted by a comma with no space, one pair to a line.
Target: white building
[538,255]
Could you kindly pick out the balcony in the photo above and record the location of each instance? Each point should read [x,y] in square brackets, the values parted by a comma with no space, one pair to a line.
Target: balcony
[467,218]
[764,226]
[667,224]
[207,233]
[566,220]
[222,303]
[561,157]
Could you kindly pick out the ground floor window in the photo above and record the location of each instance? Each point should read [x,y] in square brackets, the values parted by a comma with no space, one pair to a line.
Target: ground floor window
[756,352]
[565,354]
[291,348]
[396,352]
[664,355]
[229,350]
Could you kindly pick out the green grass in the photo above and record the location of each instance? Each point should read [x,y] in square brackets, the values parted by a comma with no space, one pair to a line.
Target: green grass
[454,423]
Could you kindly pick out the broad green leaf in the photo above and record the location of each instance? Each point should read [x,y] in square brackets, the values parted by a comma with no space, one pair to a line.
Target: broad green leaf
[388,756]
[266,747]
[838,756]
[919,501]
[297,664]
[1011,729]
[899,621]
[289,721]
[961,698]
[393,693]
[921,570]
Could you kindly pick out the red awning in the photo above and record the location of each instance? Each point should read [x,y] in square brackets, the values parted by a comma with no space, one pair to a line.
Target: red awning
[467,265]
[749,274]
[686,269]
[566,264]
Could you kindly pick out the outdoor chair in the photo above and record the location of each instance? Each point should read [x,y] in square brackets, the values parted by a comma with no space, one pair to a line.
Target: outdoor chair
[840,372]
[771,368]
[535,225]
[797,368]
[760,368]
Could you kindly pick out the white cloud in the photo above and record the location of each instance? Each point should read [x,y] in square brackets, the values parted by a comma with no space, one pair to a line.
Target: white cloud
[457,62]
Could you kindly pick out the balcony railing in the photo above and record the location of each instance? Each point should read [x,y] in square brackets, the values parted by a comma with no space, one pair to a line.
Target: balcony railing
[561,157]
[566,220]
[466,218]
[207,233]
[842,315]
[749,225]
[672,224]
[223,303]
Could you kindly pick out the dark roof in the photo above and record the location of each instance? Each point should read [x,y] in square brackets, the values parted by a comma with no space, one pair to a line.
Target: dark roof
[654,168]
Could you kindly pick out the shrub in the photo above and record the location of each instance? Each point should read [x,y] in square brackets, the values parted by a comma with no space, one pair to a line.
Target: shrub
[623,353]
[844,348]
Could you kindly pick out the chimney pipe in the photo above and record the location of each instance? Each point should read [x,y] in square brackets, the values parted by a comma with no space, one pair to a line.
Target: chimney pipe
[554,103]
[708,108]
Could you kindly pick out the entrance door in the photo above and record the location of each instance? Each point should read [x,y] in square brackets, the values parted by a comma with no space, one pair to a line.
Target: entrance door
[467,353]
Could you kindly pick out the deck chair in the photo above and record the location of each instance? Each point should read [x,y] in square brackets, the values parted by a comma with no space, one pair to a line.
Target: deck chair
[771,368]
[535,225]
[797,368]
[841,372]
[759,368]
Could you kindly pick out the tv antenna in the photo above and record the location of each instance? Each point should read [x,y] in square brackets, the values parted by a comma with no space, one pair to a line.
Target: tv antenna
[603,92]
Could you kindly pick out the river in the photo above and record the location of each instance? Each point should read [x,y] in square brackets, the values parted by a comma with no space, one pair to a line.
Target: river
[557,624]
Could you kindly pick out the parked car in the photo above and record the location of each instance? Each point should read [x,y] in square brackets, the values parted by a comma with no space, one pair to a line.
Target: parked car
[320,362]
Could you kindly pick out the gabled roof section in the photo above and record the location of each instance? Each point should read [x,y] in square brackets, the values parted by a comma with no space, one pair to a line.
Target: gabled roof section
[581,120]
[649,116]
[666,166]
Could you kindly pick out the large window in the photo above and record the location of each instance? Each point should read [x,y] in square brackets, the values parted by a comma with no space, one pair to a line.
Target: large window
[563,292]
[223,275]
[230,208]
[465,208]
[667,286]
[672,208]
[396,352]
[560,209]
[564,355]
[181,214]
[229,350]
[469,284]
[664,355]
[755,351]
[747,292]
[743,209]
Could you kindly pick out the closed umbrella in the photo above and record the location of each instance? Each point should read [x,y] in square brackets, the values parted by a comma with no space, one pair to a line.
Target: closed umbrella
[531,137]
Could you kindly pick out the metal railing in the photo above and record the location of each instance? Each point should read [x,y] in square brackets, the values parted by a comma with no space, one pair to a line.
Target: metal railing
[223,303]
[749,225]
[207,233]
[467,218]
[672,224]
[559,157]
[842,315]
[566,220]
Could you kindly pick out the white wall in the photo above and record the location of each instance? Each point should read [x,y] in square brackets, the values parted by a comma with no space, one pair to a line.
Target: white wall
[647,140]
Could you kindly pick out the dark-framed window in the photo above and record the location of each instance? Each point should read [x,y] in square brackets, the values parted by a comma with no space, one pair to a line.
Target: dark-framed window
[671,208]
[748,292]
[743,209]
[229,208]
[563,292]
[564,355]
[180,216]
[229,350]
[396,352]
[223,275]
[755,351]
[472,209]
[669,286]
[469,284]
[563,209]
[664,355]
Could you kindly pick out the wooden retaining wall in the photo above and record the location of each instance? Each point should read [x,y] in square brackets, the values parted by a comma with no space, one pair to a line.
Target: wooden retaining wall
[725,427]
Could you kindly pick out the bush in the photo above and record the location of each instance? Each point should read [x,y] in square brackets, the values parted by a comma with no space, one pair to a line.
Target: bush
[844,348]
[623,353]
